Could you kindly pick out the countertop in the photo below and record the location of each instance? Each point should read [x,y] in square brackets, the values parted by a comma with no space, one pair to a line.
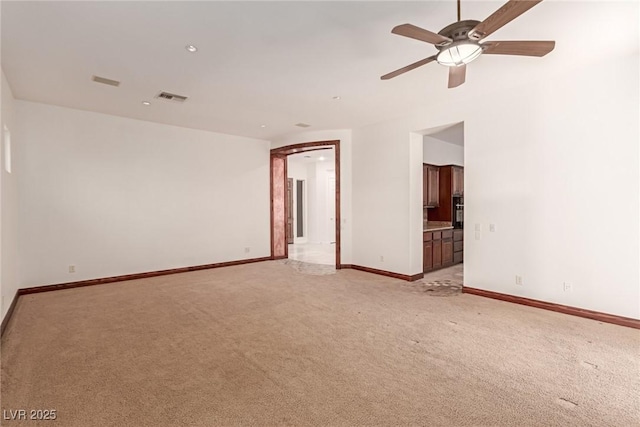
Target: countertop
[437,228]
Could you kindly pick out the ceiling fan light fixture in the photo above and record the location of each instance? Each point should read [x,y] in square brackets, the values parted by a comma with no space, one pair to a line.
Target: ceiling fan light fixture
[458,54]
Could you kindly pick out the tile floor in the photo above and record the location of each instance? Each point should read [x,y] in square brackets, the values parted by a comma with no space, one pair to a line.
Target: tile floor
[309,268]
[440,283]
[453,274]
[313,253]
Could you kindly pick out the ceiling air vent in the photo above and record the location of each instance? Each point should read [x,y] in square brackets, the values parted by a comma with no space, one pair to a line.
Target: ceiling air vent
[105,81]
[171,97]
[302,125]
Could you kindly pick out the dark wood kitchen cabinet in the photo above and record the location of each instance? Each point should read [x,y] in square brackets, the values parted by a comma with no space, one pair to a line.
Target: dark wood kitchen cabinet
[427,252]
[458,246]
[430,185]
[451,181]
[437,249]
[447,248]
[457,181]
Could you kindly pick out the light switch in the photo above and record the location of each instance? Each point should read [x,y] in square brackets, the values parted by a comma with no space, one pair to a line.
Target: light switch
[492,228]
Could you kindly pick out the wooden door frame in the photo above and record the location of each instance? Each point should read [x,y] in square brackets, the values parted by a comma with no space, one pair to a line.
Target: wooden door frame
[283,152]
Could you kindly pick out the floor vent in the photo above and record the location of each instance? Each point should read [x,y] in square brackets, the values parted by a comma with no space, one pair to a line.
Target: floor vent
[171,97]
[105,81]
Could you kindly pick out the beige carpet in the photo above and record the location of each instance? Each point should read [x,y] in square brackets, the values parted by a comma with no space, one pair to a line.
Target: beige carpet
[264,344]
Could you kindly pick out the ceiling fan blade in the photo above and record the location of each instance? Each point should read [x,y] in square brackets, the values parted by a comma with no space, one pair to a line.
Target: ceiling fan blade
[408,68]
[421,34]
[457,75]
[507,13]
[525,48]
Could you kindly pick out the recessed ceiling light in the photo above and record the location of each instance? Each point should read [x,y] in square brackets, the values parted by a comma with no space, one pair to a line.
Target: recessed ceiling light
[191,48]
[263,126]
[146,103]
[321,158]
[337,98]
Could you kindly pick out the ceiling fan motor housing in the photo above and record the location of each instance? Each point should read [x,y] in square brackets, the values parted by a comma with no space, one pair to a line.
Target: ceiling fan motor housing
[457,31]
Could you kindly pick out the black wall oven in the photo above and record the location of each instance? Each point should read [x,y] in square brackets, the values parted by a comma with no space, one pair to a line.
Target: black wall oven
[458,212]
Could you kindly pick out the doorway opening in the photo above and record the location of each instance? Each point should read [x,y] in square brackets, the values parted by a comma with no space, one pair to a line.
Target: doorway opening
[443,204]
[305,203]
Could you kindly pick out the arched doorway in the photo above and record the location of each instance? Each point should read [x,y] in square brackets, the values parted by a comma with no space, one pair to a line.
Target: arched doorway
[280,208]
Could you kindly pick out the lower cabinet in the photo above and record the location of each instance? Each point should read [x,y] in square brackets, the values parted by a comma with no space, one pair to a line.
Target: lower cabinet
[447,251]
[458,246]
[437,249]
[427,255]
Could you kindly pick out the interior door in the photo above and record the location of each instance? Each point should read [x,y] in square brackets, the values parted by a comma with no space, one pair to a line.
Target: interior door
[289,210]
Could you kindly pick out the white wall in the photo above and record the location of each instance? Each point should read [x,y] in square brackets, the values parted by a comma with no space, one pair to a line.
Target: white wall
[551,171]
[115,196]
[416,210]
[554,163]
[383,198]
[313,205]
[9,278]
[346,197]
[320,229]
[438,152]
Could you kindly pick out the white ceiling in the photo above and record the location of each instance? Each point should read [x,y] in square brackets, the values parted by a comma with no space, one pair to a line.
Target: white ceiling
[453,133]
[315,156]
[275,63]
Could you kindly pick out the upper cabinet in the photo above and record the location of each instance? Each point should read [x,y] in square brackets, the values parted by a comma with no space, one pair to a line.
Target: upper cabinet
[430,185]
[451,184]
[457,181]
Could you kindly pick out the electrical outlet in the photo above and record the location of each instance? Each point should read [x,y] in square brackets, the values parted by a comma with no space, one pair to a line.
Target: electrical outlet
[519,280]
[478,227]
[72,269]
[477,235]
[381,258]
[567,286]
[247,250]
[492,228]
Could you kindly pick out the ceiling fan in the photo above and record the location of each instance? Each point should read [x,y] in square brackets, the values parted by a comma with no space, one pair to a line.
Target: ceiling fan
[459,43]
